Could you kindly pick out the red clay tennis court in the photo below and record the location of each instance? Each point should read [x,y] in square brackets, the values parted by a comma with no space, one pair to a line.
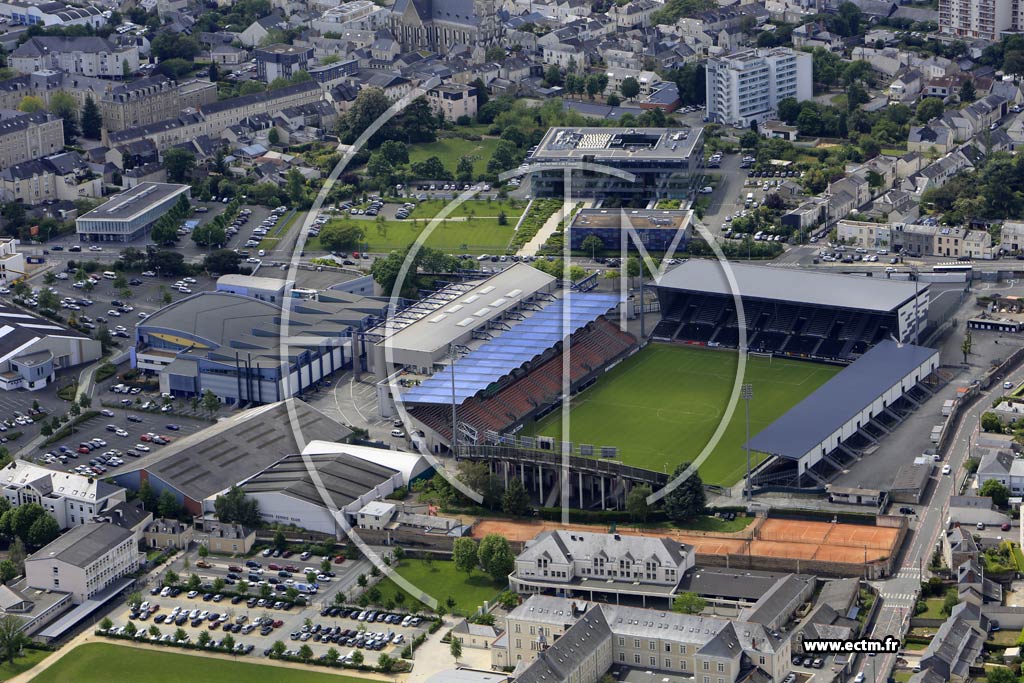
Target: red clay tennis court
[785,538]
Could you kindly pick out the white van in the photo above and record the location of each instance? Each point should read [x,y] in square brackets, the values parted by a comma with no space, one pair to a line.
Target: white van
[109,275]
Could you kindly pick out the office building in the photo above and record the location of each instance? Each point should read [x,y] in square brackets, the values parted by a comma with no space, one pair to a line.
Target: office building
[666,162]
[33,348]
[746,87]
[281,61]
[127,216]
[656,230]
[84,561]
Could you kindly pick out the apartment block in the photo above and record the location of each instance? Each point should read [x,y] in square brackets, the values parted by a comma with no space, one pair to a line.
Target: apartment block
[746,87]
[153,99]
[28,136]
[84,55]
[978,19]
[452,100]
[63,176]
[281,61]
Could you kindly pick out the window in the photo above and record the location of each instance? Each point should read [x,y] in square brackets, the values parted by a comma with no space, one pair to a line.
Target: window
[636,643]
[721,668]
[654,661]
[706,665]
[652,645]
[668,647]
[636,658]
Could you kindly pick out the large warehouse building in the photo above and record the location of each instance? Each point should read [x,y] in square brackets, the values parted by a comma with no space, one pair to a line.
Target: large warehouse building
[818,436]
[798,313]
[33,349]
[667,161]
[126,216]
[237,346]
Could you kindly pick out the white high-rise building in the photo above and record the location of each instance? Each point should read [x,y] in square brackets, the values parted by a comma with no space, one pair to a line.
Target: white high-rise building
[978,19]
[746,87]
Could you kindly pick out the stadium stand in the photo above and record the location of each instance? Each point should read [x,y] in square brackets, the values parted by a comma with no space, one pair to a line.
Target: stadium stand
[787,312]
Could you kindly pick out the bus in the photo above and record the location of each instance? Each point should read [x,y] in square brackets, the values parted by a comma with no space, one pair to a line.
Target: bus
[953,268]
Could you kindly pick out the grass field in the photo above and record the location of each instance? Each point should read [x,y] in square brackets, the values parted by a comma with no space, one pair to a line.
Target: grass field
[450,150]
[107,663]
[471,228]
[661,406]
[279,231]
[22,664]
[442,580]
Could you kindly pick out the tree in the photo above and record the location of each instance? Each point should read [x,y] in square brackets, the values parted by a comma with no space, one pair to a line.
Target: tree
[194,582]
[1000,674]
[223,261]
[929,108]
[385,663]
[134,600]
[997,491]
[456,649]
[30,104]
[235,506]
[636,503]
[179,164]
[129,629]
[688,499]
[280,542]
[501,561]
[242,587]
[274,137]
[43,530]
[64,106]
[688,603]
[516,501]
[154,631]
[171,578]
[203,638]
[306,652]
[210,402]
[357,658]
[92,119]
[106,624]
[167,504]
[967,91]
[592,243]
[8,571]
[553,76]
[464,170]
[341,237]
[228,643]
[464,554]
[332,655]
[630,87]
[613,100]
[278,648]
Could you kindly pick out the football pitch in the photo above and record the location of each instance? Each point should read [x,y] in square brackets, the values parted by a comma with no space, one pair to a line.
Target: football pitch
[661,406]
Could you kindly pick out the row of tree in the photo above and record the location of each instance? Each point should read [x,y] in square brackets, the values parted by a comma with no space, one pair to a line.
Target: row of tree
[493,555]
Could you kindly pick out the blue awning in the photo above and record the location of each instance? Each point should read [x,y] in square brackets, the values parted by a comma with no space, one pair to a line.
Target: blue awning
[512,349]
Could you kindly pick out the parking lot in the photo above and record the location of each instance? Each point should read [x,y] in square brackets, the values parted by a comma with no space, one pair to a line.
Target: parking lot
[248,620]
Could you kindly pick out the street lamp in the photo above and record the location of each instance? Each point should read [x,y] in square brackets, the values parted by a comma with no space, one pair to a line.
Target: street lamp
[747,393]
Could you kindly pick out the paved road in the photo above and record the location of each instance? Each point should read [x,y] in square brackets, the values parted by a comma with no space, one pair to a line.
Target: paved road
[899,593]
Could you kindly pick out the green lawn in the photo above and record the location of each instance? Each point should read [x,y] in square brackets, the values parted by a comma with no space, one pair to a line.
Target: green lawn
[22,664]
[450,150]
[106,663]
[278,231]
[471,228]
[661,406]
[934,610]
[441,580]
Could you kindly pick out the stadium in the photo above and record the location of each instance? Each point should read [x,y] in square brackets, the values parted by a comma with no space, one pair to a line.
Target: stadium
[525,344]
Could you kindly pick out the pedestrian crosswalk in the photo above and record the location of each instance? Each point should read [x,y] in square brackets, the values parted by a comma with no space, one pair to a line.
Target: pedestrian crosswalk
[909,573]
[899,597]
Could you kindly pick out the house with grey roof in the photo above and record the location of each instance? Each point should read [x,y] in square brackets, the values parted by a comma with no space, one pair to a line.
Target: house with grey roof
[602,566]
[958,546]
[82,55]
[953,651]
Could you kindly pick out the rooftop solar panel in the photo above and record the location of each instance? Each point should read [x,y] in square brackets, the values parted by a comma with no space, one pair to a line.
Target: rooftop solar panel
[510,350]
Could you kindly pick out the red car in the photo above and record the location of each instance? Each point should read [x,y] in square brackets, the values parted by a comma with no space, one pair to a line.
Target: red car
[291,568]
[234,568]
[278,623]
[145,437]
[287,553]
[1005,526]
[83,450]
[274,567]
[338,559]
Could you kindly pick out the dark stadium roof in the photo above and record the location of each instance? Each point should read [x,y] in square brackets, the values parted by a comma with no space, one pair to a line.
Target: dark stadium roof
[835,402]
[789,284]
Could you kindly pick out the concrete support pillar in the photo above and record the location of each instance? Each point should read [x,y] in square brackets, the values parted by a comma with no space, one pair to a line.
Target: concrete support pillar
[602,494]
[540,484]
[580,478]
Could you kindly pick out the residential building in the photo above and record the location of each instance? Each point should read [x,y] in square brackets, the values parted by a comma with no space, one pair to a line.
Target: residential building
[84,561]
[223,538]
[164,533]
[72,499]
[82,55]
[152,99]
[479,636]
[35,348]
[126,216]
[24,137]
[281,61]
[1011,236]
[746,87]
[453,101]
[12,261]
[978,19]
[1002,466]
[864,234]
[953,651]
[587,563]
[61,177]
[958,546]
[358,15]
[978,245]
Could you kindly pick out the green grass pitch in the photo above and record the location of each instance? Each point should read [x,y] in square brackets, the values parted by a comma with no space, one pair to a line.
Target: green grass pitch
[661,406]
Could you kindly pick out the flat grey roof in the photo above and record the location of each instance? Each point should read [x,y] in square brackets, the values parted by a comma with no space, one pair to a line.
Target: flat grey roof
[837,401]
[79,613]
[441,323]
[232,450]
[252,281]
[733,584]
[82,545]
[618,144]
[794,285]
[134,202]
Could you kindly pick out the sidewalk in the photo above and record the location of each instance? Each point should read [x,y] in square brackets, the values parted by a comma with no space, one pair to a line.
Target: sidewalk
[550,226]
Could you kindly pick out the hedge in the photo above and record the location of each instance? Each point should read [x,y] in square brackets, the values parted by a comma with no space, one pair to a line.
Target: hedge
[65,431]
